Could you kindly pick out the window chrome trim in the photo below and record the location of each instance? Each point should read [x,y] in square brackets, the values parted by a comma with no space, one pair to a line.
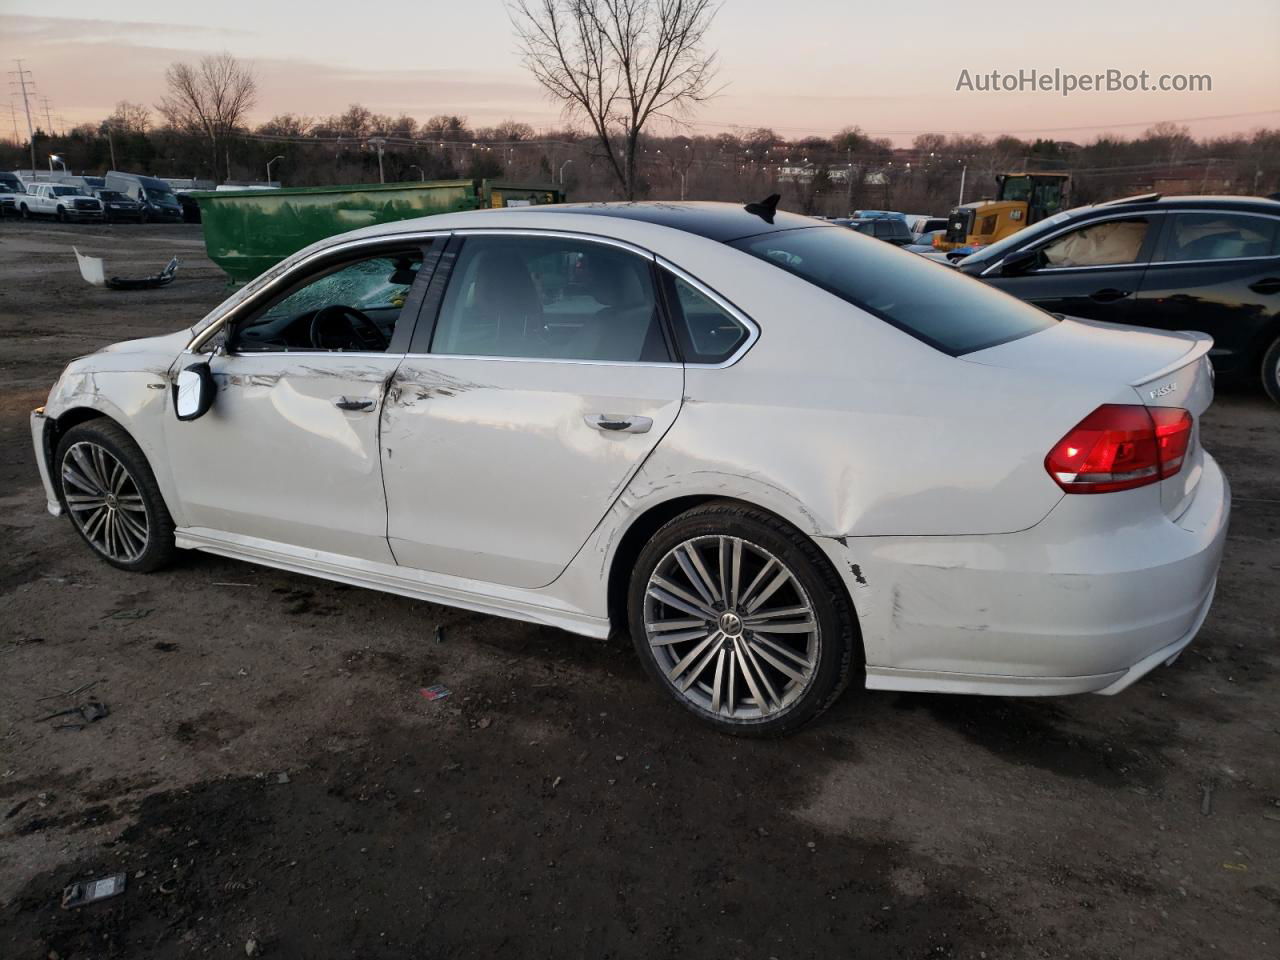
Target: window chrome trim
[580,363]
[280,279]
[753,329]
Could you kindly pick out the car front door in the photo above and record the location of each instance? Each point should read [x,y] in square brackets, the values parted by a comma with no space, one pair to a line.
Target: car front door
[288,453]
[522,411]
[1217,272]
[1093,270]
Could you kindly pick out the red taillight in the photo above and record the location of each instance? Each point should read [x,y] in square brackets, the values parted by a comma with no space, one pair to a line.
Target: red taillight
[1119,447]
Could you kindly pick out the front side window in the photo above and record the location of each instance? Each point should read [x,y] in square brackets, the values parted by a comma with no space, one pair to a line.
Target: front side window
[550,298]
[348,307]
[946,309]
[1100,244]
[1220,236]
[66,191]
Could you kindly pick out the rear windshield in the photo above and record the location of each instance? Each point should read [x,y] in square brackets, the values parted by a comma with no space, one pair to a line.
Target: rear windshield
[934,303]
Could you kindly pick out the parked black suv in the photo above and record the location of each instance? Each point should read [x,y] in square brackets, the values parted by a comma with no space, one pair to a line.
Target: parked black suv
[1176,263]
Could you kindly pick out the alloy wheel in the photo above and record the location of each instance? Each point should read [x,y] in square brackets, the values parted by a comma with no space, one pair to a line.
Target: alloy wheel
[105,502]
[731,627]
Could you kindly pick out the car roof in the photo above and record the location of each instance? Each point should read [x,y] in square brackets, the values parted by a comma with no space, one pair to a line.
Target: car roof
[723,222]
[720,222]
[1155,202]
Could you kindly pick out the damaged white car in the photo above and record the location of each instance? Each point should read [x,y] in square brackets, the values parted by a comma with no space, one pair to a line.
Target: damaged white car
[777,453]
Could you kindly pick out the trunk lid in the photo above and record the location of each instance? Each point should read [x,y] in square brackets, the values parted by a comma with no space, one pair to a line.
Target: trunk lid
[1162,369]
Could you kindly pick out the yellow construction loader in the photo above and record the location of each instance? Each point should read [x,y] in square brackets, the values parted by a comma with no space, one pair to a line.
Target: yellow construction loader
[1021,200]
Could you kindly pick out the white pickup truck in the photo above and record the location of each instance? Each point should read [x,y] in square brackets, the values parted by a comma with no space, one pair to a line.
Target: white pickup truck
[58,200]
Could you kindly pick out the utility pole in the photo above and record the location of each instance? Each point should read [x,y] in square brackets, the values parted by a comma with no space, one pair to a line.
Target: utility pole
[22,82]
[379,142]
[48,119]
[963,171]
[17,139]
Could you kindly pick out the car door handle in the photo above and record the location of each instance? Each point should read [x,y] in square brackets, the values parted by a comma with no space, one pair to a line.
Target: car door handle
[353,403]
[1108,294]
[1266,285]
[618,423]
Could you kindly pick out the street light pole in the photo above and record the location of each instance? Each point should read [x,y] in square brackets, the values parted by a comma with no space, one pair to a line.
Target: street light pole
[270,162]
[421,174]
[963,171]
[562,166]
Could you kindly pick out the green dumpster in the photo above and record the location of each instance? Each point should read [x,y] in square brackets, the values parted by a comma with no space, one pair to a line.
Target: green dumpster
[249,231]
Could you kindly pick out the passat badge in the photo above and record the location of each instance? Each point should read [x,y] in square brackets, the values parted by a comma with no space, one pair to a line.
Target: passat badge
[1159,392]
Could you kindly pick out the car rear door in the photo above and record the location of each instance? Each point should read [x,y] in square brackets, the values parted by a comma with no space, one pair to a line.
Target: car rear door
[1217,271]
[1092,270]
[539,379]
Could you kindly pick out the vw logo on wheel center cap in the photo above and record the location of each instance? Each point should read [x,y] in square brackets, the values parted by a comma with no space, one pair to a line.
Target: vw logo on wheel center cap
[730,624]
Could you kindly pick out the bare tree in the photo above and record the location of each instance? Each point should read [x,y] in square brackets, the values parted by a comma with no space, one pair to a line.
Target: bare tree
[129,117]
[618,64]
[213,98]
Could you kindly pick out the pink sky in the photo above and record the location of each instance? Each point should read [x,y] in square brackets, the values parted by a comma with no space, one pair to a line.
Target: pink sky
[806,67]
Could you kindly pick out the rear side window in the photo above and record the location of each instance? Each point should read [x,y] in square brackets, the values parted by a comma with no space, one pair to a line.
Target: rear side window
[550,298]
[706,331]
[934,303]
[1220,236]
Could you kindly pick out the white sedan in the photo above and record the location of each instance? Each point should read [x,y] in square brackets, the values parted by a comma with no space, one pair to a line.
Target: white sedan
[777,453]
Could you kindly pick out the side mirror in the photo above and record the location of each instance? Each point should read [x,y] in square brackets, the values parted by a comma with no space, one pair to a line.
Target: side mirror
[1023,261]
[194,392]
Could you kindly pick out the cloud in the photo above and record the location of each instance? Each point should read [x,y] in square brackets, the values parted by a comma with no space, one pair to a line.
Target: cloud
[29,29]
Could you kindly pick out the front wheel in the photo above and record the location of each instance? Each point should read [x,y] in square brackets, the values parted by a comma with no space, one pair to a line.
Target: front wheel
[742,620]
[1271,371]
[107,487]
[62,215]
[26,214]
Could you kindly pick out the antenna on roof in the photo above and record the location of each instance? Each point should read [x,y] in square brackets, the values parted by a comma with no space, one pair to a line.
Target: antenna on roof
[766,208]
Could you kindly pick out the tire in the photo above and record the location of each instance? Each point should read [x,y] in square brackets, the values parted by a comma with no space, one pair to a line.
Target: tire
[85,466]
[726,673]
[1271,371]
[26,214]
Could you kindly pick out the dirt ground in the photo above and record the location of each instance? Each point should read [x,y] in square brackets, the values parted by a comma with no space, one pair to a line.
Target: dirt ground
[270,780]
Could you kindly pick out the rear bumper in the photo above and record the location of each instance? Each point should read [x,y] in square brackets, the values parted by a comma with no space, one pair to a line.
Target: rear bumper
[1049,610]
[39,439]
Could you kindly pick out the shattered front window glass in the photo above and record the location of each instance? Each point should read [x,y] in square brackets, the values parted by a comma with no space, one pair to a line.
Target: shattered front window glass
[364,285]
[354,307]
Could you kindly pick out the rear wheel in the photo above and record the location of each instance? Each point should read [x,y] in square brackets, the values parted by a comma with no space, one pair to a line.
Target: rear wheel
[1271,371]
[107,487]
[741,619]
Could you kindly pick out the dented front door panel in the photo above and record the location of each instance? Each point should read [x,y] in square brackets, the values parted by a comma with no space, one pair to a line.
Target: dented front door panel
[289,452]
